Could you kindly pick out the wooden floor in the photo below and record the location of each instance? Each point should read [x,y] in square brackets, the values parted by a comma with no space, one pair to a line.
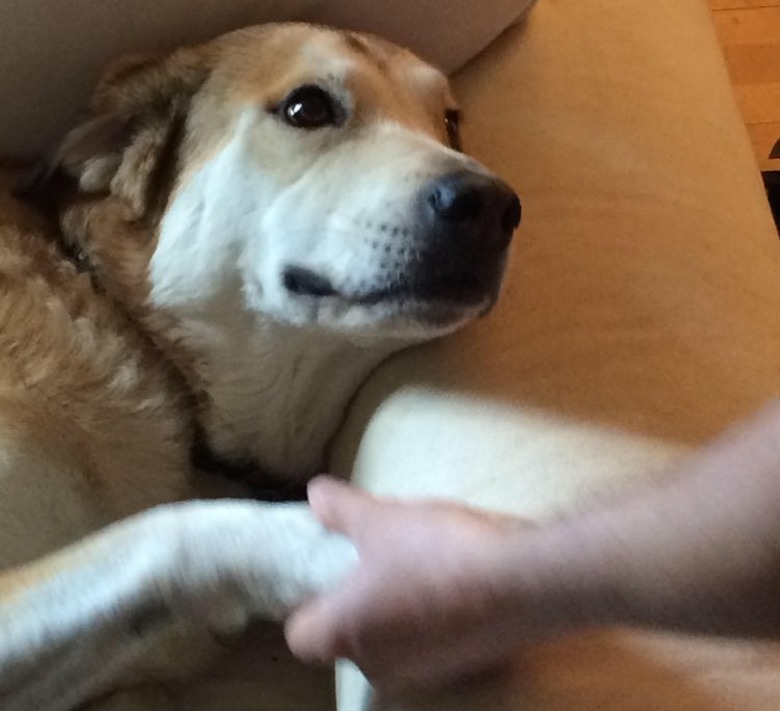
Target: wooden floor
[749,32]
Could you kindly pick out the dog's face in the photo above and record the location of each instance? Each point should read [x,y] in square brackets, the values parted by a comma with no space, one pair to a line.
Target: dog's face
[309,176]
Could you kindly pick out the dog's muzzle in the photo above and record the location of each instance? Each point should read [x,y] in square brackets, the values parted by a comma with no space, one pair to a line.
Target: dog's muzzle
[463,225]
[466,224]
[467,206]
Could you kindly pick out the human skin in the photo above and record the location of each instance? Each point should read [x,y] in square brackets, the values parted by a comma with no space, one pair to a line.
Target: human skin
[442,590]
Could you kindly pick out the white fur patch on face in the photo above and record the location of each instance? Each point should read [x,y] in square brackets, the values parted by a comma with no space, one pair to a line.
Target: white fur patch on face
[206,228]
[425,79]
[342,208]
[327,51]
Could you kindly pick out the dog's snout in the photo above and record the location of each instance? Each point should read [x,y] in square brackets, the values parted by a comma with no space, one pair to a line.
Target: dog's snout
[455,198]
[513,214]
[470,197]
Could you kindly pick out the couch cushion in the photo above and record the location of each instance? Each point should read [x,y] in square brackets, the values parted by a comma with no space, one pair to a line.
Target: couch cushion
[52,50]
[641,317]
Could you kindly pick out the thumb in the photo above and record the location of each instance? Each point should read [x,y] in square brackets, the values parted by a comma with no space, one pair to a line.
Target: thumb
[311,632]
[340,507]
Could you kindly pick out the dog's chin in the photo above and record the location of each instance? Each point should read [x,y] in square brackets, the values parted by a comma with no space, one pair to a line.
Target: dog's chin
[411,310]
[433,313]
[440,293]
[398,319]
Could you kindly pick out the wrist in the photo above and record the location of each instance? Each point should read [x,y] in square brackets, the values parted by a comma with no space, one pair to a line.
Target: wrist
[547,596]
[560,581]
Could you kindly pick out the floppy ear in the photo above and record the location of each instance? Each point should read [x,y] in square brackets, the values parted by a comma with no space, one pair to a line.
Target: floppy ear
[128,143]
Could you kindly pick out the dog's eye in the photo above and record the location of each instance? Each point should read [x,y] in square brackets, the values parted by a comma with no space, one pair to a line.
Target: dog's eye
[309,107]
[452,123]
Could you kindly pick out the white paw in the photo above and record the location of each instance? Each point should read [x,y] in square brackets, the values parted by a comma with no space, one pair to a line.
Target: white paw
[234,561]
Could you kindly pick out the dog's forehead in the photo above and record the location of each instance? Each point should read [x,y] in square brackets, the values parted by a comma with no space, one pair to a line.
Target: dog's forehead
[353,54]
[266,58]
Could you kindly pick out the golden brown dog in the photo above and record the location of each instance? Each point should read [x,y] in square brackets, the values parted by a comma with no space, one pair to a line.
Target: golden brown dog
[237,234]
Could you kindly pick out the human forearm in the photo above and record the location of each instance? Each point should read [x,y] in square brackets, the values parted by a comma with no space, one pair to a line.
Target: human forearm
[701,553]
[441,590]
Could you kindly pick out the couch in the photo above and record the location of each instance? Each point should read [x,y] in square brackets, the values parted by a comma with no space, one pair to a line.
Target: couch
[641,317]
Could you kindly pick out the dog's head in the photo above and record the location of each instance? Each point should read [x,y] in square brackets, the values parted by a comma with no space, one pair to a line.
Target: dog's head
[308,175]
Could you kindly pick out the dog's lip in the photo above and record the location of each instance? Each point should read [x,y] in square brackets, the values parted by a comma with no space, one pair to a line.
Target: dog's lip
[305,282]
[461,288]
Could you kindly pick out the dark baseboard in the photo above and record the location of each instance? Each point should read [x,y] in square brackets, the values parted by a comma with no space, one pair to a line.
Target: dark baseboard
[772,185]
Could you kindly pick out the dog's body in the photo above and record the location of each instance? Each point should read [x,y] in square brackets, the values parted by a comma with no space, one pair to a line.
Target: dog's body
[241,232]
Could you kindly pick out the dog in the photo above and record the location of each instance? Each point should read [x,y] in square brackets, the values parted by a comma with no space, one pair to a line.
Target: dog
[223,248]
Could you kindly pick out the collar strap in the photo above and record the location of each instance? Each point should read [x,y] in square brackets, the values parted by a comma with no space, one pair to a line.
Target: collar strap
[261,485]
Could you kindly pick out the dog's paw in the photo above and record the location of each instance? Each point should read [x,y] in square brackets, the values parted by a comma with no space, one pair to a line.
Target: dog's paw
[235,561]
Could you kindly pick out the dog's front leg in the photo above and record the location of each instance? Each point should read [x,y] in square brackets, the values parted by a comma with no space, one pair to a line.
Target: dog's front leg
[87,620]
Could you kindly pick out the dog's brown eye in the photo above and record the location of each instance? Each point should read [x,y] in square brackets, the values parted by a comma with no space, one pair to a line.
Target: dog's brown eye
[452,123]
[309,107]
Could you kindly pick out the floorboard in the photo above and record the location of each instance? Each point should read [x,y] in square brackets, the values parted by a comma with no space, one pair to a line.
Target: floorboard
[749,32]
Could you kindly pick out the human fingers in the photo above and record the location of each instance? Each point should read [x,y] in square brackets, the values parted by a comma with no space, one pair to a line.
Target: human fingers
[340,507]
[312,631]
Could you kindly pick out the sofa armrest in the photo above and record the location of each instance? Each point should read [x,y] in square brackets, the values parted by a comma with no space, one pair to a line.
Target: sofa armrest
[53,51]
[641,317]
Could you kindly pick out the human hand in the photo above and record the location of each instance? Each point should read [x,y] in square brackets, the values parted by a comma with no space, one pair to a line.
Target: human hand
[430,600]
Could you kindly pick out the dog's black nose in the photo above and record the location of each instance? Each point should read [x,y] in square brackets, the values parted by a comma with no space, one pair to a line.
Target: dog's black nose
[467,198]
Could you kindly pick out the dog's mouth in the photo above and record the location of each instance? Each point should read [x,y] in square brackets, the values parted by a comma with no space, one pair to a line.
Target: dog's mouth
[304,282]
[461,288]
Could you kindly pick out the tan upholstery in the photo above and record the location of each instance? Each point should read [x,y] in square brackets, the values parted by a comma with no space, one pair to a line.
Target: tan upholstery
[53,50]
[642,316]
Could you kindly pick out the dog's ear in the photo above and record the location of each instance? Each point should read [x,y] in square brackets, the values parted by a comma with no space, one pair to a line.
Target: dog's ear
[128,143]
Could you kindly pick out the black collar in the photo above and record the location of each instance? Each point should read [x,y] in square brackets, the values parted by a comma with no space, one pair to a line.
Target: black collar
[260,485]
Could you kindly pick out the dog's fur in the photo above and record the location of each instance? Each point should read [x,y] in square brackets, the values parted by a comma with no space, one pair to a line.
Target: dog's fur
[168,305]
